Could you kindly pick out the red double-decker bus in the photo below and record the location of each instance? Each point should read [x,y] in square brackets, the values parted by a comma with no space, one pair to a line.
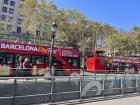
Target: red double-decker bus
[98,61]
[64,60]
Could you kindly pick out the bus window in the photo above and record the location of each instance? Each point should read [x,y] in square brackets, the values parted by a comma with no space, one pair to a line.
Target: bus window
[40,59]
[89,54]
[127,65]
[47,60]
[2,59]
[107,64]
[56,62]
[115,64]
[9,59]
[123,65]
[6,58]
[33,60]
[74,62]
[68,60]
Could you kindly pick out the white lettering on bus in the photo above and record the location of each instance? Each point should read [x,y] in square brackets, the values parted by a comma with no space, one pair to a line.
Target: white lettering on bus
[18,47]
[54,51]
[2,45]
[66,53]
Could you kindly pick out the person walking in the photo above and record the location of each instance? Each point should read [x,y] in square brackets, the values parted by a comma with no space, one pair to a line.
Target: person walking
[19,66]
[27,66]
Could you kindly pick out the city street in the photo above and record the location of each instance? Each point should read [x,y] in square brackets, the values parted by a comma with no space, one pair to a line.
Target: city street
[62,52]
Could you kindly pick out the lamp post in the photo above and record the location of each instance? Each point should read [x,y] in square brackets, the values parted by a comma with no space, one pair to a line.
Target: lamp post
[53,31]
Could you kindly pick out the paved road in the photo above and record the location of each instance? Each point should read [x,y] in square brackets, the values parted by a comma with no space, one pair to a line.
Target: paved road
[123,101]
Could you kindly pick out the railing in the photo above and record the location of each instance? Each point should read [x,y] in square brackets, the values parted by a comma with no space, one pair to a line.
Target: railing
[22,72]
[55,89]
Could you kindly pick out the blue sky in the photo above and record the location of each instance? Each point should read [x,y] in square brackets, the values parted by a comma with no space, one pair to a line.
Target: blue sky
[122,14]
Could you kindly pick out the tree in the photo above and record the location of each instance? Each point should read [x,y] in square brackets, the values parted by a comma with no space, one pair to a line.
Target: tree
[70,22]
[76,30]
[2,27]
[123,42]
[38,16]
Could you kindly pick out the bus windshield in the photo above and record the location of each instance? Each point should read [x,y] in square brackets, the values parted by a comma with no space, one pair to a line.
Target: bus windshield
[89,54]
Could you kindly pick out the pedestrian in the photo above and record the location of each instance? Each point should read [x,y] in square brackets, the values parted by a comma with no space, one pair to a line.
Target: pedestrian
[19,66]
[27,66]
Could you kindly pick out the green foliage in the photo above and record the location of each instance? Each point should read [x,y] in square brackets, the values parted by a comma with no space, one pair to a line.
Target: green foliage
[127,43]
[76,30]
[2,27]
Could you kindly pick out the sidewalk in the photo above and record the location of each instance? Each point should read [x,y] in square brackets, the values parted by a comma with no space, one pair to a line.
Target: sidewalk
[122,101]
[135,100]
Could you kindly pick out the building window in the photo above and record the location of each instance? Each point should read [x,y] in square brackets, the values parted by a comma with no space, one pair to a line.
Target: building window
[11,11]
[9,27]
[10,18]
[3,17]
[4,9]
[18,29]
[19,21]
[37,32]
[6,1]
[44,33]
[12,3]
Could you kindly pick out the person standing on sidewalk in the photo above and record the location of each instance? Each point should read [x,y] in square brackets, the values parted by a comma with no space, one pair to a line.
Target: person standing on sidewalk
[27,67]
[19,66]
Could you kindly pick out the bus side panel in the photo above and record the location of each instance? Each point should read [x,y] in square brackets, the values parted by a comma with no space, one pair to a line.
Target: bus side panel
[68,72]
[39,70]
[5,70]
[90,64]
[75,71]
[99,66]
[95,65]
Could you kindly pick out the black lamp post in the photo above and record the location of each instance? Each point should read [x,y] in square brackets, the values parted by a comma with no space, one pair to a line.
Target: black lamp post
[53,31]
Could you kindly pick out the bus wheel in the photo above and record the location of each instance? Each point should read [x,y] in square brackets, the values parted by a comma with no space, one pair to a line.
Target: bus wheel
[59,72]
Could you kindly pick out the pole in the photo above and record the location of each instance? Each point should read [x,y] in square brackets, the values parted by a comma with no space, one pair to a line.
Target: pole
[103,88]
[52,87]
[95,46]
[83,61]
[122,90]
[14,91]
[51,54]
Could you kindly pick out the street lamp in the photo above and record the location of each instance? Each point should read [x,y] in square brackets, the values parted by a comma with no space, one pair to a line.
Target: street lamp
[53,31]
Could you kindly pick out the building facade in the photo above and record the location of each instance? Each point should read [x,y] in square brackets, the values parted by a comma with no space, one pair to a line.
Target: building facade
[11,19]
[9,15]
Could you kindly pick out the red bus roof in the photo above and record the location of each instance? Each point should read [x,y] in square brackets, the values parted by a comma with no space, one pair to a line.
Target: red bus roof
[24,48]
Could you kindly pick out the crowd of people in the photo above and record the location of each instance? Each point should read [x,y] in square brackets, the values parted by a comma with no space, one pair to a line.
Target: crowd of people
[24,67]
